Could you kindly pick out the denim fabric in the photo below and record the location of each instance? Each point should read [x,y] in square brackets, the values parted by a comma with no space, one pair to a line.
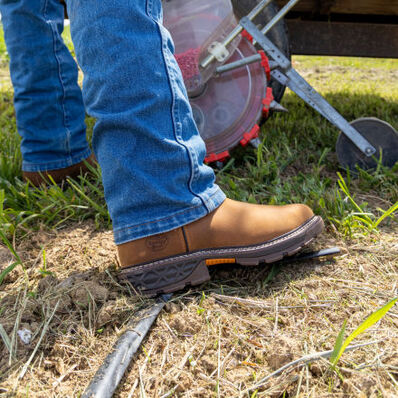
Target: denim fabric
[48,101]
[145,138]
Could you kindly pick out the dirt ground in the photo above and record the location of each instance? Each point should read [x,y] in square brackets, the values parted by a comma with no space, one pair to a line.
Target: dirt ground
[219,339]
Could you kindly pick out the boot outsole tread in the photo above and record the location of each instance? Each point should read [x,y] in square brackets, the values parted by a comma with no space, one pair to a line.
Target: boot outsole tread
[178,272]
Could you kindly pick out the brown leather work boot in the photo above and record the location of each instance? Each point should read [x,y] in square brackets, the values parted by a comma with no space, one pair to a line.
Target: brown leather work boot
[236,232]
[41,178]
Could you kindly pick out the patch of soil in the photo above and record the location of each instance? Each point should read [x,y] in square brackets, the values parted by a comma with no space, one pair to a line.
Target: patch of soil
[77,293]
[223,336]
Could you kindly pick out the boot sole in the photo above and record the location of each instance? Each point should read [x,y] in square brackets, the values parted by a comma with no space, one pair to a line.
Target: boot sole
[177,272]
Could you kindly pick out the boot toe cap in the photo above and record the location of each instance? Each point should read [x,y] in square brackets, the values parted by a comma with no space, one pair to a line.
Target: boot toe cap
[302,212]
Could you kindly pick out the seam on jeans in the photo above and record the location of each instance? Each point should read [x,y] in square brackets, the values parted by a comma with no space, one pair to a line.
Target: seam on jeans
[149,6]
[43,9]
[175,114]
[65,117]
[176,118]
[165,218]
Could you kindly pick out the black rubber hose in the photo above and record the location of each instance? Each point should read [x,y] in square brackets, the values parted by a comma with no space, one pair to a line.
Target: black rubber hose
[110,373]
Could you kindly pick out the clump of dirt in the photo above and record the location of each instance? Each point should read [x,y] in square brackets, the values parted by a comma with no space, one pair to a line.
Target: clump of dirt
[172,308]
[318,369]
[183,326]
[5,258]
[208,363]
[281,351]
[89,291]
[363,384]
[106,314]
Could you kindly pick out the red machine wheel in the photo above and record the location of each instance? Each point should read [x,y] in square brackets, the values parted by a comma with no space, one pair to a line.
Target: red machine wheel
[227,108]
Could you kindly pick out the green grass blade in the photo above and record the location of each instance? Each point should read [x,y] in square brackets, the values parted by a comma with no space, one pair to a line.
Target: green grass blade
[6,339]
[343,186]
[339,343]
[272,274]
[387,213]
[101,210]
[366,324]
[10,246]
[7,270]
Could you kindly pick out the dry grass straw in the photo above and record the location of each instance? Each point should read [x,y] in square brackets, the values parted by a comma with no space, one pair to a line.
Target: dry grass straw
[222,341]
[75,313]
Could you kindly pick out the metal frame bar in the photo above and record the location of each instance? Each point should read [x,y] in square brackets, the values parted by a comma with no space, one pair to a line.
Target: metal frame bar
[279,16]
[291,78]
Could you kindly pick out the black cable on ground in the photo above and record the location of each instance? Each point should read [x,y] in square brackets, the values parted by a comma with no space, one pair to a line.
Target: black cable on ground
[110,373]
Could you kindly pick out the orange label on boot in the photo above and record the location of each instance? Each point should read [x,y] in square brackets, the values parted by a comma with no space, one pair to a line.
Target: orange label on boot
[215,261]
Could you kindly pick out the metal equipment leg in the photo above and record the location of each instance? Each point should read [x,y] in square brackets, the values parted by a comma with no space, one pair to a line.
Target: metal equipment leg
[288,76]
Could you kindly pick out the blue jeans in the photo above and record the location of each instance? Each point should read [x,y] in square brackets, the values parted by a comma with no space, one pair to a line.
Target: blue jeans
[145,138]
[48,102]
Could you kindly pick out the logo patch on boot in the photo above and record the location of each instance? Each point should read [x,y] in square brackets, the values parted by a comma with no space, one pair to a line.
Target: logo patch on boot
[156,243]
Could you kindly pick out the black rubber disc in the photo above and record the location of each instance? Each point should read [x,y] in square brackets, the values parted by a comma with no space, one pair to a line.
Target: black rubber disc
[278,34]
[380,134]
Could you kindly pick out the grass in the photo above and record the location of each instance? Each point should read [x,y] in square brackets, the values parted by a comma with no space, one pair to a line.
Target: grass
[294,163]
[341,345]
[24,208]
[58,279]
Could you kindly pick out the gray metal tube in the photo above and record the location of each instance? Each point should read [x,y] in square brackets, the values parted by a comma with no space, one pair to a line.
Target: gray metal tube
[243,62]
[279,16]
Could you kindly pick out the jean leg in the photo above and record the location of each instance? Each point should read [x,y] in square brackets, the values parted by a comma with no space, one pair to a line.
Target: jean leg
[145,138]
[48,101]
